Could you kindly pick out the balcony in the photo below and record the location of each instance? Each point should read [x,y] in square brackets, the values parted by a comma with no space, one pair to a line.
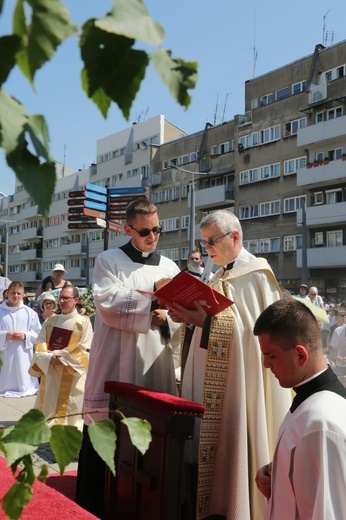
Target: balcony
[334,170]
[322,131]
[325,214]
[323,257]
[27,277]
[31,233]
[75,248]
[31,212]
[30,254]
[209,197]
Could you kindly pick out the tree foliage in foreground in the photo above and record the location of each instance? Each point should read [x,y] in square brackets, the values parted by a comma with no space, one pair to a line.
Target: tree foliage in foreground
[19,442]
[112,72]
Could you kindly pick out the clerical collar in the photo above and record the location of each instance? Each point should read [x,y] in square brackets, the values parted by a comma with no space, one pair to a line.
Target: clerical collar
[325,381]
[138,256]
[228,266]
[144,254]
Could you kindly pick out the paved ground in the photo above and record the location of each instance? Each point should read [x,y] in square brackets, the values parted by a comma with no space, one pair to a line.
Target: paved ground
[11,410]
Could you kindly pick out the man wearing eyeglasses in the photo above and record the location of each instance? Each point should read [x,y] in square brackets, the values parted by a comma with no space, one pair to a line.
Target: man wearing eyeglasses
[61,360]
[133,341]
[224,371]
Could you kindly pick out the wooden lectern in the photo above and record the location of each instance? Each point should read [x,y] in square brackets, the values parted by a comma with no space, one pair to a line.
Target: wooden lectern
[149,486]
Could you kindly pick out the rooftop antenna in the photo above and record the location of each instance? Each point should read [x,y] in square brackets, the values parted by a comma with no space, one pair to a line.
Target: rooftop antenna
[224,107]
[255,54]
[215,114]
[324,38]
[63,164]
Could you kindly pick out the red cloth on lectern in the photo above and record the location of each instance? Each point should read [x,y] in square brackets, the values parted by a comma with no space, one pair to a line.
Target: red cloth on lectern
[165,403]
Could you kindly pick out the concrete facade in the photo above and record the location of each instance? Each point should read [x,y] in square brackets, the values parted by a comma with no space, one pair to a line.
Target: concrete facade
[256,165]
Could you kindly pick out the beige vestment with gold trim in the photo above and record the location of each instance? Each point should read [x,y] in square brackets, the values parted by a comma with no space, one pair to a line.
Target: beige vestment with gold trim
[62,386]
[253,403]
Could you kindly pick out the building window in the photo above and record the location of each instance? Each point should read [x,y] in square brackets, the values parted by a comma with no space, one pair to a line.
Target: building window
[170,224]
[318,198]
[318,239]
[173,254]
[270,208]
[249,140]
[282,93]
[292,127]
[299,87]
[333,196]
[185,222]
[183,159]
[293,203]
[334,113]
[254,103]
[193,156]
[266,99]
[334,238]
[251,246]
[329,75]
[247,212]
[269,245]
[224,148]
[270,171]
[291,166]
[173,162]
[166,195]
[292,243]
[248,176]
[270,134]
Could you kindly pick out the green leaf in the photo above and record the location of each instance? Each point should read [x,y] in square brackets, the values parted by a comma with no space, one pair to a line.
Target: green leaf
[177,74]
[112,69]
[103,439]
[130,18]
[15,451]
[16,499]
[42,476]
[140,432]
[31,429]
[1,5]
[49,26]
[9,45]
[27,474]
[38,178]
[66,442]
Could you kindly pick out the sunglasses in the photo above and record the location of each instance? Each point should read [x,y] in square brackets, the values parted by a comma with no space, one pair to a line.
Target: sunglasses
[213,241]
[146,232]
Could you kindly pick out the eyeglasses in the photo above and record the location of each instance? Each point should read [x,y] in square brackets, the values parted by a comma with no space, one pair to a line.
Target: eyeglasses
[66,298]
[313,294]
[213,241]
[146,232]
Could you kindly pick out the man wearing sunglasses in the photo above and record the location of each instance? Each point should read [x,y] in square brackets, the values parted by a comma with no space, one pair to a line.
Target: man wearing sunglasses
[224,371]
[133,342]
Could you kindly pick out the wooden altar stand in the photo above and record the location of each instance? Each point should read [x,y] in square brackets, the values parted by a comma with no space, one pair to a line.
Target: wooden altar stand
[149,486]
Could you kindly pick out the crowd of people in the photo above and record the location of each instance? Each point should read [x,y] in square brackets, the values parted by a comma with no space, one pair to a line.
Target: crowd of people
[256,453]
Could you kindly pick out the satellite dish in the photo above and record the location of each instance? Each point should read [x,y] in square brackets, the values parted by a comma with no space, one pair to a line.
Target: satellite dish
[143,145]
[240,148]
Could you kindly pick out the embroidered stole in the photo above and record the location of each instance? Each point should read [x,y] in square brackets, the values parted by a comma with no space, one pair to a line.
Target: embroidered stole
[215,379]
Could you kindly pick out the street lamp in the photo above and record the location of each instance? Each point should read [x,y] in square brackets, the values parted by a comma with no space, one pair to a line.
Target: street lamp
[192,202]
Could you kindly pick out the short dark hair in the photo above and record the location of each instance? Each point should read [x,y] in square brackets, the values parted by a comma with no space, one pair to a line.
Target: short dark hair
[74,289]
[290,322]
[139,206]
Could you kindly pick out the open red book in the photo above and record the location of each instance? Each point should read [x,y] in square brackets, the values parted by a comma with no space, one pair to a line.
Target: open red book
[185,289]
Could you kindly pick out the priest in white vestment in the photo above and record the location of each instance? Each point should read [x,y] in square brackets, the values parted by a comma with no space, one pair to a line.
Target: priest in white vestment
[19,326]
[224,370]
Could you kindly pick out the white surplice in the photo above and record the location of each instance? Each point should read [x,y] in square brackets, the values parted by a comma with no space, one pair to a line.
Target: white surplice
[126,346]
[16,355]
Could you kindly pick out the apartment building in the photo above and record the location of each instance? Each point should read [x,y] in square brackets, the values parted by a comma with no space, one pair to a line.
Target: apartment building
[279,160]
[29,247]
[258,166]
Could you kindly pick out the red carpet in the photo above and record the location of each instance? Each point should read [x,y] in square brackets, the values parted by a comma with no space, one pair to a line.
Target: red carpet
[46,502]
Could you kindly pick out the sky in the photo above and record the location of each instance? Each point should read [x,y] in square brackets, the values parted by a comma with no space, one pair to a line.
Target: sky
[232,42]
